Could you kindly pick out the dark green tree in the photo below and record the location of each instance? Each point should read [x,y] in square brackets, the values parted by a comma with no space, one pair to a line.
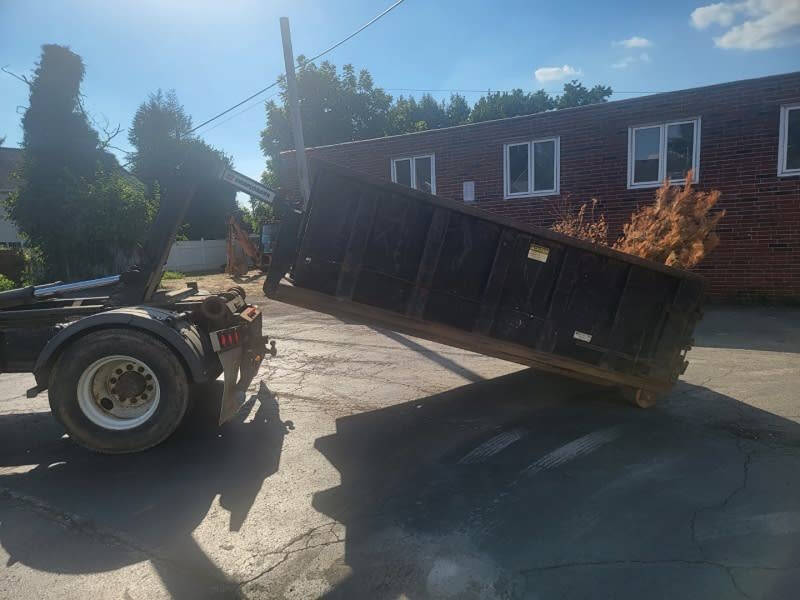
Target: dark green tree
[340,107]
[76,207]
[335,107]
[500,105]
[161,140]
[457,110]
[576,94]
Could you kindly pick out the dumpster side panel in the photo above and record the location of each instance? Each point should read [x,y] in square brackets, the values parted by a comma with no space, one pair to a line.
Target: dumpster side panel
[428,260]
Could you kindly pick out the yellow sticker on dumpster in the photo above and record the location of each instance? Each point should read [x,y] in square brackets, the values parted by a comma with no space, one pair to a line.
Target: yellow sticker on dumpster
[539,253]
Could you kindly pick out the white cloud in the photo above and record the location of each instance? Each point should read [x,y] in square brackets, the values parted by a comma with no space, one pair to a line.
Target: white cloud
[555,73]
[635,42]
[721,13]
[766,23]
[629,60]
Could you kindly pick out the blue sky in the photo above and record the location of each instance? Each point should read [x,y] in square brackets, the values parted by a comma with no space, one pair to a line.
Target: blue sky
[215,53]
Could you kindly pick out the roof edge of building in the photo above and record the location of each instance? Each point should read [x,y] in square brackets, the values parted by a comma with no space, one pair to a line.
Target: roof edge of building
[556,111]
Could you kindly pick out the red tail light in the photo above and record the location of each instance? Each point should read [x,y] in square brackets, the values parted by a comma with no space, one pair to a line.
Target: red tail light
[227,339]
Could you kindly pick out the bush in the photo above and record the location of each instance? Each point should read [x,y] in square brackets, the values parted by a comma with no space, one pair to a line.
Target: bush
[6,284]
[677,230]
[583,224]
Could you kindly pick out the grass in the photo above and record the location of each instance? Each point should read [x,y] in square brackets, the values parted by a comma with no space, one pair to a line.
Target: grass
[172,275]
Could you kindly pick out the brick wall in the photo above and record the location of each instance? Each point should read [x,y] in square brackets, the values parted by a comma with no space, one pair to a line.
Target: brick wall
[759,254]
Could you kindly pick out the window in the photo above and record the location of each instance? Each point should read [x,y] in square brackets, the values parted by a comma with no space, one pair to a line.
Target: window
[789,141]
[418,172]
[531,168]
[667,150]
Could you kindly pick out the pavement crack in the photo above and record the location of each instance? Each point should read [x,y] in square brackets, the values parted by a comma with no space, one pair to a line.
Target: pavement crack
[722,504]
[286,551]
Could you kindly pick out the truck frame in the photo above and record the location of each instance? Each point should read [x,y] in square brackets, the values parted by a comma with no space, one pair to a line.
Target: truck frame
[117,356]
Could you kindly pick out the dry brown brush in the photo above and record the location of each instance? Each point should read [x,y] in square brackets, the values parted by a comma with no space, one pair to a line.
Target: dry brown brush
[583,223]
[677,229]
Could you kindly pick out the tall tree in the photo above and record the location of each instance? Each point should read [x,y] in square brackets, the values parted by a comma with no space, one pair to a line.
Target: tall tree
[500,105]
[339,107]
[457,110]
[335,107]
[74,204]
[160,137]
[576,94]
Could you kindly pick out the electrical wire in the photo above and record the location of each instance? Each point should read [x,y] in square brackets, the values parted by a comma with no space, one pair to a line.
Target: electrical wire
[307,61]
[356,32]
[244,110]
[475,91]
[234,107]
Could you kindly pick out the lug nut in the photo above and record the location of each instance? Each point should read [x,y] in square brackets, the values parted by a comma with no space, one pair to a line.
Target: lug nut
[129,367]
[140,369]
[148,377]
[149,388]
[144,396]
[118,371]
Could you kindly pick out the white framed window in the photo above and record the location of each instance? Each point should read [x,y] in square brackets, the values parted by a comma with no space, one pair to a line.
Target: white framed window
[664,150]
[531,168]
[789,141]
[418,172]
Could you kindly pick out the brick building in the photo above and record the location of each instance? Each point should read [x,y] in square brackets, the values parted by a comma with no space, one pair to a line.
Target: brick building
[742,138]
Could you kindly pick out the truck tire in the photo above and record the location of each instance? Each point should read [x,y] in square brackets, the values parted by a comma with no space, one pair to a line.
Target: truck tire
[118,391]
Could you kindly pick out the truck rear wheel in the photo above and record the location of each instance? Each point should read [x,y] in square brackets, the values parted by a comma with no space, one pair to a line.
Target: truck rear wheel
[118,390]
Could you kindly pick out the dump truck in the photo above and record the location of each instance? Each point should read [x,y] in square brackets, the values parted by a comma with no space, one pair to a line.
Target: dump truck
[117,356]
[380,253]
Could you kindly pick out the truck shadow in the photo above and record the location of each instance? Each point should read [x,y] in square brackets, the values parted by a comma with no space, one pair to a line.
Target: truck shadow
[137,507]
[493,490]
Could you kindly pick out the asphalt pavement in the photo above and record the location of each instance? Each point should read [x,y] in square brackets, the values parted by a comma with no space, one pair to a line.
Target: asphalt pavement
[369,464]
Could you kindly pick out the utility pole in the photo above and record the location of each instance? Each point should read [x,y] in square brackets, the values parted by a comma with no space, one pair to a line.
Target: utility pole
[294,112]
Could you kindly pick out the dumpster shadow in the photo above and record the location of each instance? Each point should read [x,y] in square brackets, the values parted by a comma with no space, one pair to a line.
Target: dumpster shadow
[139,507]
[503,489]
[436,357]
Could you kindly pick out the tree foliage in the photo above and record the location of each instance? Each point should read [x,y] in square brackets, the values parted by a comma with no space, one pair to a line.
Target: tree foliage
[161,140]
[342,106]
[78,210]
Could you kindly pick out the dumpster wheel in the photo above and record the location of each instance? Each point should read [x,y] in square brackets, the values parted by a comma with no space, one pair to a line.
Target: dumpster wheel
[640,397]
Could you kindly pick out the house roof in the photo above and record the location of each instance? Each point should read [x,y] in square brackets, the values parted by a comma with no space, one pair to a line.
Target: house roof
[10,158]
[587,107]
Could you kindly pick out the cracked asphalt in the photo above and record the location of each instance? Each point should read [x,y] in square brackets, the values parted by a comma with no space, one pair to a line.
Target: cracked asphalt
[369,464]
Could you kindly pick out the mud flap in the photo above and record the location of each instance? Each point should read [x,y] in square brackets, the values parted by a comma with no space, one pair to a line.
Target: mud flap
[233,394]
[239,366]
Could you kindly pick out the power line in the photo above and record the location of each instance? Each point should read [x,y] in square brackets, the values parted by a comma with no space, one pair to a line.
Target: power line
[234,107]
[308,61]
[357,31]
[476,91]
[234,115]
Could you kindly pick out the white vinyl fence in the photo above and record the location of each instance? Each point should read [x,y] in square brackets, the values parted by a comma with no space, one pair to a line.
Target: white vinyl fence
[195,256]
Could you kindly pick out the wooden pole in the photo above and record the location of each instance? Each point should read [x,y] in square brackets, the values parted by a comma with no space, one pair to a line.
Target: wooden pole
[294,112]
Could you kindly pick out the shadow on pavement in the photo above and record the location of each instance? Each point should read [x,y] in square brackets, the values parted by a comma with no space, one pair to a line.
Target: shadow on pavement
[141,506]
[436,357]
[497,490]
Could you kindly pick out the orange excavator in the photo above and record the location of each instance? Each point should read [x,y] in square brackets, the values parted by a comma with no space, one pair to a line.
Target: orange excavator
[243,252]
